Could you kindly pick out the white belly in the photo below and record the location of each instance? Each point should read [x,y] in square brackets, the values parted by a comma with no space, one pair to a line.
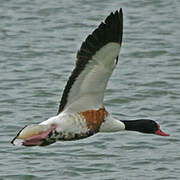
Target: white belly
[70,126]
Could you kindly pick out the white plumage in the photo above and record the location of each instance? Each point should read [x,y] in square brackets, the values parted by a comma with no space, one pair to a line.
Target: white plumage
[87,91]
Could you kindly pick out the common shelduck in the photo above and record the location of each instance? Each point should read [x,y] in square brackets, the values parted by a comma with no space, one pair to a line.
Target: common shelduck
[81,111]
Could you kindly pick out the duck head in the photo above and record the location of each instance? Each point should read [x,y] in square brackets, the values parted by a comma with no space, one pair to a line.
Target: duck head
[144,126]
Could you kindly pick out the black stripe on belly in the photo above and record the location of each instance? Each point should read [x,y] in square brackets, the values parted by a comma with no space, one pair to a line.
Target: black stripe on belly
[111,30]
[62,136]
[77,136]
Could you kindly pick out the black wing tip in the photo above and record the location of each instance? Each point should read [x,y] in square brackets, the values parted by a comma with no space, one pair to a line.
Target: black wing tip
[115,21]
[121,11]
[111,30]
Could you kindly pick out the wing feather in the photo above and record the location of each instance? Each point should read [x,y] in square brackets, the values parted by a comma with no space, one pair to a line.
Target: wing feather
[96,60]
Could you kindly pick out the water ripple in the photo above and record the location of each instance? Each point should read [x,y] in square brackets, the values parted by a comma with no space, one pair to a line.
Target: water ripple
[39,40]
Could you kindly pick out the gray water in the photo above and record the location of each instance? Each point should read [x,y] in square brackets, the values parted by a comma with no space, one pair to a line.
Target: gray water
[38,45]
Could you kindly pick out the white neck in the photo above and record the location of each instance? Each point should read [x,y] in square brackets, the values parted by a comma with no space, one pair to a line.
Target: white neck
[112,125]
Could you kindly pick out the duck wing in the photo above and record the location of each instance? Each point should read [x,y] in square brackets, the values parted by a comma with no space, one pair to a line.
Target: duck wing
[95,63]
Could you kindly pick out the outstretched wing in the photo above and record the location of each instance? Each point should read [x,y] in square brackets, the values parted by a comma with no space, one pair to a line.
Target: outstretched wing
[96,60]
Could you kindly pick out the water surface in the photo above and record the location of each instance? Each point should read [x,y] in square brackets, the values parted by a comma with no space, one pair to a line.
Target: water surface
[38,45]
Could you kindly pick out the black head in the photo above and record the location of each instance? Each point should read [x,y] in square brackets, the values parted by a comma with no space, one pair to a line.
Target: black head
[144,126]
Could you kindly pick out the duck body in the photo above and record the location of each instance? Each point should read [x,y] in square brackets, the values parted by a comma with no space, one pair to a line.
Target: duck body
[74,126]
[81,111]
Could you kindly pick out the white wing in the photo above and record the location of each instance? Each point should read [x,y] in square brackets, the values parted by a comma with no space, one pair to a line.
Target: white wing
[96,60]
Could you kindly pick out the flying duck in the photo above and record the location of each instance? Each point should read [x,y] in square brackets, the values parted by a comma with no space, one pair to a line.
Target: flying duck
[81,111]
